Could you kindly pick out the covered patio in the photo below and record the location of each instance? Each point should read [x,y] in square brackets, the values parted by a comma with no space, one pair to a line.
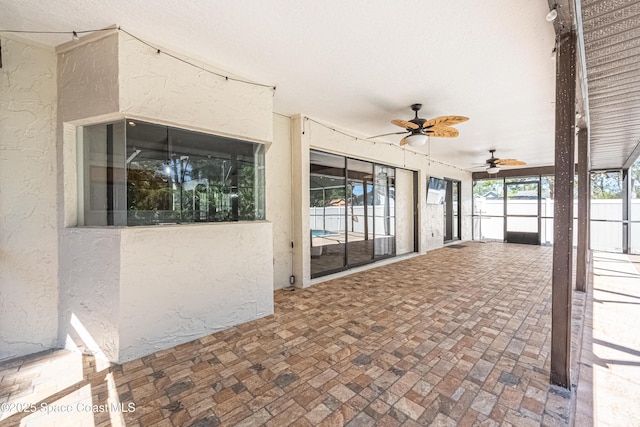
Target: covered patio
[163,180]
[458,336]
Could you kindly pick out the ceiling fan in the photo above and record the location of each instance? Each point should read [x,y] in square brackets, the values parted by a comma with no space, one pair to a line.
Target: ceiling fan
[419,129]
[493,163]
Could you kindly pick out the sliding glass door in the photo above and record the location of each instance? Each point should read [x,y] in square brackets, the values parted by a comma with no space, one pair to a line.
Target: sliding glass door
[360,212]
[352,212]
[385,213]
[327,212]
[452,211]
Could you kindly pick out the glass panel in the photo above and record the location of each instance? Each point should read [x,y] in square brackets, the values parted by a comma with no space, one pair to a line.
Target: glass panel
[634,239]
[177,176]
[327,212]
[160,175]
[359,223]
[488,209]
[488,228]
[606,205]
[102,178]
[524,224]
[610,209]
[522,199]
[606,236]
[546,202]
[546,231]
[488,197]
[606,195]
[150,184]
[384,211]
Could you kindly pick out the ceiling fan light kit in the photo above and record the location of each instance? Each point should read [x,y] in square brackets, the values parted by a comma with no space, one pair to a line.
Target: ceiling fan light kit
[493,163]
[418,130]
[417,139]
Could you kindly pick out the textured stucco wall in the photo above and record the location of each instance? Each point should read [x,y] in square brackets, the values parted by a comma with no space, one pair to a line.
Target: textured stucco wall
[404,212]
[311,135]
[88,80]
[160,87]
[434,223]
[300,198]
[28,231]
[90,288]
[278,178]
[161,285]
[89,257]
[180,283]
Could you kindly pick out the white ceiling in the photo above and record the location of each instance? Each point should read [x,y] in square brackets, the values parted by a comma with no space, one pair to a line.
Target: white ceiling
[358,64]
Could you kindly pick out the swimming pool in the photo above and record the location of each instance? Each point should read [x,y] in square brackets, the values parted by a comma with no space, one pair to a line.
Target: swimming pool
[320,233]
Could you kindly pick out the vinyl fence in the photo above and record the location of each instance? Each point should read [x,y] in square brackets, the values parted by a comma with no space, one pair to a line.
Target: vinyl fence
[606,221]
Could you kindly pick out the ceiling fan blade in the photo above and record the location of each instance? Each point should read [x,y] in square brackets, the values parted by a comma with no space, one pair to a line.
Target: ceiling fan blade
[444,121]
[387,134]
[403,141]
[442,132]
[405,124]
[510,162]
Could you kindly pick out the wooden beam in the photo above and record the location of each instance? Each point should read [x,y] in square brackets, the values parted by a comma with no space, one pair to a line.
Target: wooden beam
[584,195]
[563,210]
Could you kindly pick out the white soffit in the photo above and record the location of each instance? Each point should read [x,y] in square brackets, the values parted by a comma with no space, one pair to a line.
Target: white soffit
[356,65]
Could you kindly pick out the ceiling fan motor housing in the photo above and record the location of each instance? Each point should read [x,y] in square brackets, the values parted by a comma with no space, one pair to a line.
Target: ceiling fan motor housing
[418,121]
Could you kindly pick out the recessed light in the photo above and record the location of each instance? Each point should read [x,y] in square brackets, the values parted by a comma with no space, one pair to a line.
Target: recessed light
[132,123]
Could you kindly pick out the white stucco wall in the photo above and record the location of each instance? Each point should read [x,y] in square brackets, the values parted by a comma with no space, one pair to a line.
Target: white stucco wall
[88,79]
[433,222]
[180,283]
[90,288]
[163,285]
[28,231]
[278,178]
[300,198]
[306,135]
[404,212]
[157,86]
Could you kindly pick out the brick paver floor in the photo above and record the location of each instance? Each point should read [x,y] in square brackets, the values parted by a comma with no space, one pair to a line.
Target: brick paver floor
[459,336]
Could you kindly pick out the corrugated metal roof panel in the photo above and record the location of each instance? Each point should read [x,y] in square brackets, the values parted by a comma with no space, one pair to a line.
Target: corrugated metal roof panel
[611,32]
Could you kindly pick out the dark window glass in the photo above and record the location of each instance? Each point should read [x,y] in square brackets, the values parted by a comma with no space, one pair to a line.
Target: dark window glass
[157,174]
[327,212]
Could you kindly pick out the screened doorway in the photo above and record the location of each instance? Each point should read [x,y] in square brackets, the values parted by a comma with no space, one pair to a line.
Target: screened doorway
[523,212]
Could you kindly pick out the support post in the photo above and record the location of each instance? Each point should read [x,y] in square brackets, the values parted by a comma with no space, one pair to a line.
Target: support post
[563,210]
[584,195]
[626,193]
